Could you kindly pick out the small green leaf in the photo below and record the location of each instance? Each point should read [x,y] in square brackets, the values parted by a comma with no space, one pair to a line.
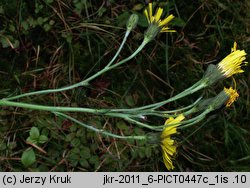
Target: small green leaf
[28,157]
[148,152]
[47,27]
[5,43]
[45,132]
[84,163]
[74,157]
[70,137]
[49,1]
[75,142]
[29,139]
[122,126]
[16,43]
[94,160]
[51,22]
[2,146]
[42,139]
[25,25]
[85,153]
[130,100]
[40,20]
[12,28]
[34,133]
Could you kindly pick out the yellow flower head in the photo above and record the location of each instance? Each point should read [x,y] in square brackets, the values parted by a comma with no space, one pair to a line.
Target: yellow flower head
[167,144]
[231,64]
[156,19]
[156,25]
[232,94]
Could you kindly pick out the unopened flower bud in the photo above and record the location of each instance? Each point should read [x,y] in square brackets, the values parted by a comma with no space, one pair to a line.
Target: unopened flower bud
[132,22]
[225,97]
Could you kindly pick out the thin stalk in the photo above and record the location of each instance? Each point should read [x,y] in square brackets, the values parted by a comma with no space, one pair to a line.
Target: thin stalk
[84,82]
[120,48]
[58,109]
[180,109]
[194,122]
[196,87]
[157,113]
[100,131]
[186,92]
[187,122]
[143,44]
[139,123]
[201,117]
[55,108]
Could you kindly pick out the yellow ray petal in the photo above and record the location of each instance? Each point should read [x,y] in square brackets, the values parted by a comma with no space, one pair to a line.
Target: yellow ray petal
[158,14]
[146,14]
[234,47]
[167,141]
[176,120]
[170,150]
[167,20]
[166,29]
[150,9]
[167,161]
[233,96]
[168,131]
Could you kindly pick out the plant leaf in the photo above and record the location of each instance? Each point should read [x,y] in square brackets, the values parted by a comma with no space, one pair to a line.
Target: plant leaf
[34,133]
[28,157]
[43,139]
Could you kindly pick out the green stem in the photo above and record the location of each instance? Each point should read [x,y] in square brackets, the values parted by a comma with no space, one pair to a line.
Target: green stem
[101,131]
[120,48]
[139,123]
[197,86]
[167,112]
[106,112]
[196,119]
[58,109]
[157,113]
[84,82]
[143,44]
[187,123]
[54,108]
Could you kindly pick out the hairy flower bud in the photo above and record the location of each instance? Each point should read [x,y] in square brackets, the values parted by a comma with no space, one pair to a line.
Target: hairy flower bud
[151,32]
[132,22]
[225,97]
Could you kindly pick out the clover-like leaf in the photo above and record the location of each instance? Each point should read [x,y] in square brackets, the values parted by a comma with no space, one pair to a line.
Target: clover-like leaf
[28,157]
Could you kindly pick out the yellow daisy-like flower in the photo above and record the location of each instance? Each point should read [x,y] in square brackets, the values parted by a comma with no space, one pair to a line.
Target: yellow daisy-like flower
[231,64]
[233,96]
[156,19]
[167,143]
[156,25]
